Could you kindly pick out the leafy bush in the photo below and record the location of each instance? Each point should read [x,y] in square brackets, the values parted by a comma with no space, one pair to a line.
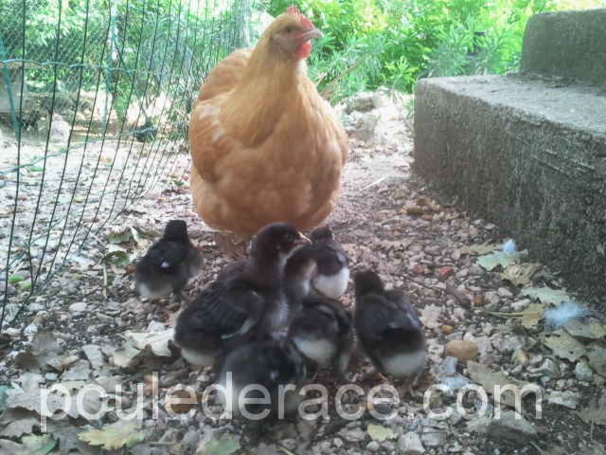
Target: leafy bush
[368,43]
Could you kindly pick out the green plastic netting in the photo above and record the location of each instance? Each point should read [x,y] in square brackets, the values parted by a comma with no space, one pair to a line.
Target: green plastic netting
[95,98]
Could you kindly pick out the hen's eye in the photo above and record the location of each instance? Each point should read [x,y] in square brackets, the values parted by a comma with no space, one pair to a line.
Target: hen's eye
[288,29]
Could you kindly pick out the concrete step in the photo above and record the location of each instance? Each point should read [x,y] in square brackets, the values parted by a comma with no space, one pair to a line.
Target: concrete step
[527,154]
[569,44]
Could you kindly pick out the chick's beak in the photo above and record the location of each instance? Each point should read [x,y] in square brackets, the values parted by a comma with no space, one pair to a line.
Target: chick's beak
[302,240]
[311,34]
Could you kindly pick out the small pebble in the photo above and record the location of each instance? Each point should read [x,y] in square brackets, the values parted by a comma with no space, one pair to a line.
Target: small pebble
[566,399]
[77,307]
[492,298]
[373,446]
[410,444]
[583,372]
[463,350]
[505,293]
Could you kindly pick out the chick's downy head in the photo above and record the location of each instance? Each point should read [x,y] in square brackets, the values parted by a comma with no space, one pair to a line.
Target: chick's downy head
[292,32]
[322,234]
[302,263]
[368,282]
[276,240]
[176,231]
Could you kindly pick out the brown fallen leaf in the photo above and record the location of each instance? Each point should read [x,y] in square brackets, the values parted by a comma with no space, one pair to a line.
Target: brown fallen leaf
[17,422]
[157,341]
[489,380]
[520,274]
[597,358]
[122,433]
[529,318]
[43,352]
[181,401]
[563,345]
[595,413]
[532,315]
[483,248]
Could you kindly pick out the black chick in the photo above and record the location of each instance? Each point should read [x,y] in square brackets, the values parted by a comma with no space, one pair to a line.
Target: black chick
[299,271]
[322,331]
[147,132]
[168,264]
[246,302]
[333,266]
[389,329]
[272,364]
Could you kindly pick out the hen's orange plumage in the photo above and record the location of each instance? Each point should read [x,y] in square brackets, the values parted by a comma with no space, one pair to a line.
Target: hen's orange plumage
[265,146]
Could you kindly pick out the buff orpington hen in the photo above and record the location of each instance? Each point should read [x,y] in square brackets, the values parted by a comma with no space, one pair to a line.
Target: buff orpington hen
[265,146]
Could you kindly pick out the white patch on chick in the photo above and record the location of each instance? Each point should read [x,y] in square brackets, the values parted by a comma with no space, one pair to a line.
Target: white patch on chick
[161,292]
[279,316]
[320,351]
[333,286]
[197,358]
[404,364]
[344,360]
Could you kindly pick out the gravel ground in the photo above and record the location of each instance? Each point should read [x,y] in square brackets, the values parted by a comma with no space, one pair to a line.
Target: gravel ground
[89,328]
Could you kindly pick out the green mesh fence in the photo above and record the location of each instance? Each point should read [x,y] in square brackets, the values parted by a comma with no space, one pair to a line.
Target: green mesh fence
[95,98]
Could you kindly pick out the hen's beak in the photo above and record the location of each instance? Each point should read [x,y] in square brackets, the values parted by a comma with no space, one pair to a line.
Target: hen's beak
[311,34]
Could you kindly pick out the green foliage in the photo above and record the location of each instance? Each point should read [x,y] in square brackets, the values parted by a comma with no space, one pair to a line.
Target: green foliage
[368,43]
[135,50]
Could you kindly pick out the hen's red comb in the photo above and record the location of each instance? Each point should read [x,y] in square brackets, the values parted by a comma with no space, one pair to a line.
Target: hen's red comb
[295,11]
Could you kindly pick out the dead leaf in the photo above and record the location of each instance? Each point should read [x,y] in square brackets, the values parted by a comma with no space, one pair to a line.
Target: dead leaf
[80,371]
[43,352]
[532,315]
[225,446]
[157,341]
[595,413]
[48,401]
[529,318]
[120,234]
[488,379]
[67,435]
[547,295]
[3,396]
[30,445]
[17,422]
[379,433]
[180,401]
[520,274]
[127,357]
[597,359]
[117,260]
[263,449]
[483,248]
[123,433]
[94,355]
[591,330]
[491,261]
[564,346]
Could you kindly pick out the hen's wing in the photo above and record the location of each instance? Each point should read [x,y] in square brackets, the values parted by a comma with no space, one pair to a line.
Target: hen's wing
[225,75]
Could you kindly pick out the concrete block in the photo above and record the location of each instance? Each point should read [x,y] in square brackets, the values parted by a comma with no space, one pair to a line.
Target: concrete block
[570,44]
[526,155]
